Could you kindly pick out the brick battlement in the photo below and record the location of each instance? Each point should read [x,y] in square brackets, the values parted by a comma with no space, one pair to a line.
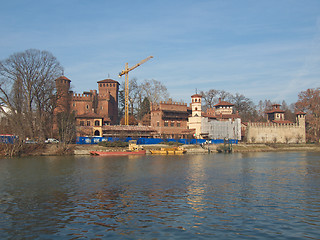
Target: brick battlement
[273,125]
[81,97]
[173,103]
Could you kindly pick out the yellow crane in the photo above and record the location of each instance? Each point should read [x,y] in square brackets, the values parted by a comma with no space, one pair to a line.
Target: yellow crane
[126,89]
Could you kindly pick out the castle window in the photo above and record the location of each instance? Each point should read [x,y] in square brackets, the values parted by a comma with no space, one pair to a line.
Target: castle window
[100,84]
[81,123]
[97,123]
[178,124]
[107,85]
[196,109]
[88,123]
[104,85]
[87,106]
[172,124]
[166,123]
[114,84]
[158,124]
[196,100]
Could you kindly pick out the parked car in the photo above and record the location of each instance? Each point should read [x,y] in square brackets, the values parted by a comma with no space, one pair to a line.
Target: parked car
[30,141]
[51,140]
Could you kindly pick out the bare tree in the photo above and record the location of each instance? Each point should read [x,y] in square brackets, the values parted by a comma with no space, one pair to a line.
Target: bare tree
[212,96]
[27,88]
[209,98]
[152,90]
[309,102]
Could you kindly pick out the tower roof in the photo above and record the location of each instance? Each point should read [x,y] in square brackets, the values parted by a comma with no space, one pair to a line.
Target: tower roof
[300,113]
[196,95]
[63,78]
[108,80]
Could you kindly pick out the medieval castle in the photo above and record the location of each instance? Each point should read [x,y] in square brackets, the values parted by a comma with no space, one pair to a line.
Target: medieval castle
[96,114]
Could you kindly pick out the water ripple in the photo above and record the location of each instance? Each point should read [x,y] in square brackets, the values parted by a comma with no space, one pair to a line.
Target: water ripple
[239,196]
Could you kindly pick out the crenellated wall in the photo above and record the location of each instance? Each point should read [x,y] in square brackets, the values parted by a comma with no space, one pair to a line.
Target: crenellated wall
[275,133]
[81,97]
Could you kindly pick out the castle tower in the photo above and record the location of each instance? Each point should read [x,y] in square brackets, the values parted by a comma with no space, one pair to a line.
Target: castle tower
[276,114]
[196,105]
[62,102]
[194,122]
[63,98]
[108,100]
[301,118]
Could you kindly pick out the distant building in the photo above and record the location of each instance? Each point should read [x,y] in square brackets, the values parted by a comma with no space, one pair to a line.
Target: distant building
[170,119]
[92,109]
[217,123]
[277,129]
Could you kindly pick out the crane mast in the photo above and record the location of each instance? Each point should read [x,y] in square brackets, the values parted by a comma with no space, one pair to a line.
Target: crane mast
[126,89]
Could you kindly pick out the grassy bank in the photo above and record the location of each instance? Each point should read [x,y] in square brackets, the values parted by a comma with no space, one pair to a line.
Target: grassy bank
[275,147]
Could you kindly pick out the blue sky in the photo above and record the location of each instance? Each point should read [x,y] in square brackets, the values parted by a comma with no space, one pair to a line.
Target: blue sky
[263,49]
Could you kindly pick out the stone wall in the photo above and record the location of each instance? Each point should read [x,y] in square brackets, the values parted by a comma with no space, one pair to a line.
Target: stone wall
[275,133]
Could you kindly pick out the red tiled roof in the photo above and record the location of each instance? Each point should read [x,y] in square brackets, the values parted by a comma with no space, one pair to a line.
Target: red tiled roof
[221,116]
[300,113]
[223,103]
[63,78]
[275,111]
[89,115]
[196,95]
[108,81]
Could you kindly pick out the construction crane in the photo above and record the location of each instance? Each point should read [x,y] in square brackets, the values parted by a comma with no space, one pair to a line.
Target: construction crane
[126,89]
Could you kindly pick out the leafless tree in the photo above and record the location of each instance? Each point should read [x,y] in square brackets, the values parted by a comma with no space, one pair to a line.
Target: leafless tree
[153,90]
[212,96]
[27,88]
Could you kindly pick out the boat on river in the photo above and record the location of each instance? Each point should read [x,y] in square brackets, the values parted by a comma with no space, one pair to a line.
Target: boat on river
[169,151]
[117,153]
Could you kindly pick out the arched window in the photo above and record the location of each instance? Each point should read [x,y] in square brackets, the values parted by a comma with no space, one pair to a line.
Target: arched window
[97,133]
[97,123]
[196,109]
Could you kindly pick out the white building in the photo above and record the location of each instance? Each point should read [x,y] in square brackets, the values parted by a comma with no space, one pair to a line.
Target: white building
[217,123]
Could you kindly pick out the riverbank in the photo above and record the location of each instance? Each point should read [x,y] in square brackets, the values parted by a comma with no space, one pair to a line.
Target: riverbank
[197,149]
[76,149]
[242,147]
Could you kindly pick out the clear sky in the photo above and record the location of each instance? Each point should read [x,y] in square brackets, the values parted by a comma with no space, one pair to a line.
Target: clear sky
[264,49]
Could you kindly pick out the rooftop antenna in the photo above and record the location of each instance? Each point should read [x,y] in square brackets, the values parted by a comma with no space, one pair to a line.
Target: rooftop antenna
[62,72]
[196,91]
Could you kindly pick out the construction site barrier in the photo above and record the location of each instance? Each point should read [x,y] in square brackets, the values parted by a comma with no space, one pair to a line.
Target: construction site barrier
[146,141]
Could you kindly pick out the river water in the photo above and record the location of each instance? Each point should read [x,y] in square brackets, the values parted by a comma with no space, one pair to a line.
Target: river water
[217,196]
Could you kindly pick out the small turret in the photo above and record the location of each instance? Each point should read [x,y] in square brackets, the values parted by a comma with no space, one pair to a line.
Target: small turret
[301,118]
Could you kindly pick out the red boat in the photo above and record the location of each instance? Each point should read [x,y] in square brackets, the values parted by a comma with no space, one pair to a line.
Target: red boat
[99,153]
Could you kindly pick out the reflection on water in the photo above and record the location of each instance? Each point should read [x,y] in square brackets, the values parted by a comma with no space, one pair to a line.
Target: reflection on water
[242,196]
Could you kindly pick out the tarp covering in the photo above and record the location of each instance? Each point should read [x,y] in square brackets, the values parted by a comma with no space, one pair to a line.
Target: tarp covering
[8,138]
[146,141]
